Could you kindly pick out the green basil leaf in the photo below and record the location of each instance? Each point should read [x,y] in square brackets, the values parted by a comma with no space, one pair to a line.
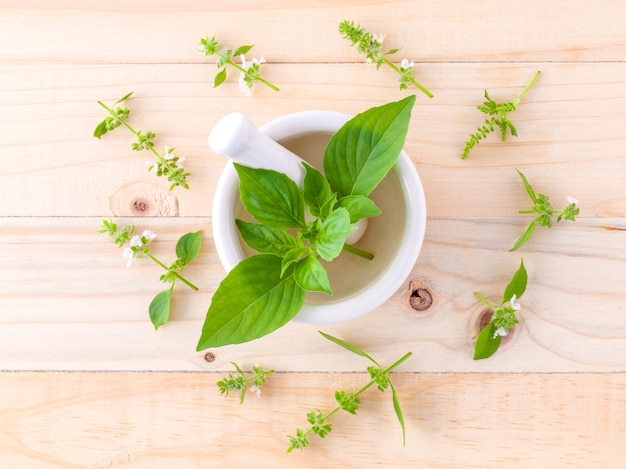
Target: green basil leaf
[159,308]
[101,129]
[316,190]
[348,346]
[366,147]
[290,258]
[252,301]
[271,197]
[486,344]
[398,409]
[526,235]
[527,186]
[219,78]
[242,50]
[333,233]
[188,246]
[359,206]
[266,240]
[517,285]
[311,275]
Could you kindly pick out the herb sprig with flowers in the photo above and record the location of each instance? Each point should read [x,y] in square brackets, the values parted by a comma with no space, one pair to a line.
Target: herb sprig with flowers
[503,318]
[350,402]
[249,71]
[544,212]
[240,382]
[166,164]
[498,117]
[187,249]
[371,45]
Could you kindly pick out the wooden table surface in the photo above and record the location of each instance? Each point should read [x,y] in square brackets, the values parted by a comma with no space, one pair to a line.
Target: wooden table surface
[87,382]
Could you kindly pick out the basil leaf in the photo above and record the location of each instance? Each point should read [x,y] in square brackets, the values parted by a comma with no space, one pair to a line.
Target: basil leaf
[219,78]
[311,275]
[316,190]
[271,197]
[366,147]
[527,186]
[517,285]
[292,256]
[242,50]
[252,301]
[348,346]
[266,240]
[159,308]
[486,344]
[359,206]
[188,246]
[526,235]
[398,409]
[333,233]
[101,129]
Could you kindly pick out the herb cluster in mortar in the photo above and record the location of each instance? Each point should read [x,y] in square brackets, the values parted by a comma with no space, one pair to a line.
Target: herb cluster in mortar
[266,290]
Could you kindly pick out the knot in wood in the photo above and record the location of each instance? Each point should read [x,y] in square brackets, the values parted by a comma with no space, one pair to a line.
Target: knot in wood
[209,357]
[420,299]
[140,205]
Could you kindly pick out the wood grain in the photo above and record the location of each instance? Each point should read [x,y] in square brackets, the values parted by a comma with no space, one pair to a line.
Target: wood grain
[158,420]
[570,142]
[74,284]
[87,382]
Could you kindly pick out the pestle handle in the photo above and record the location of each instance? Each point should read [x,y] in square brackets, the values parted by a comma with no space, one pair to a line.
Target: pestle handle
[238,139]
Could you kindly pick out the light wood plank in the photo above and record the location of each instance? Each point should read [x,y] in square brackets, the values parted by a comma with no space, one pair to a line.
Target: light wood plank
[444,31]
[70,303]
[158,420]
[571,139]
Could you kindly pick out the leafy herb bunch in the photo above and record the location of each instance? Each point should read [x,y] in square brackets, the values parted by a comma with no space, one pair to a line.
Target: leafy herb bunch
[263,292]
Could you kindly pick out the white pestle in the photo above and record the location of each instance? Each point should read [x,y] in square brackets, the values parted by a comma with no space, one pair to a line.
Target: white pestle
[235,137]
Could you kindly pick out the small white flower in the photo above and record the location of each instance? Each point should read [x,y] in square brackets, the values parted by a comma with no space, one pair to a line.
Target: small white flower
[151,165]
[571,200]
[514,305]
[135,241]
[500,332]
[129,255]
[379,38]
[256,390]
[180,160]
[168,154]
[243,86]
[405,64]
[148,234]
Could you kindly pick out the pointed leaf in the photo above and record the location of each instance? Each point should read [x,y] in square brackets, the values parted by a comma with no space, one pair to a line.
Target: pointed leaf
[398,409]
[366,147]
[333,233]
[527,186]
[525,236]
[359,206]
[271,197]
[311,275]
[252,301]
[517,285]
[266,240]
[348,346]
[159,308]
[486,344]
[316,190]
[219,78]
[242,50]
[188,246]
[101,129]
